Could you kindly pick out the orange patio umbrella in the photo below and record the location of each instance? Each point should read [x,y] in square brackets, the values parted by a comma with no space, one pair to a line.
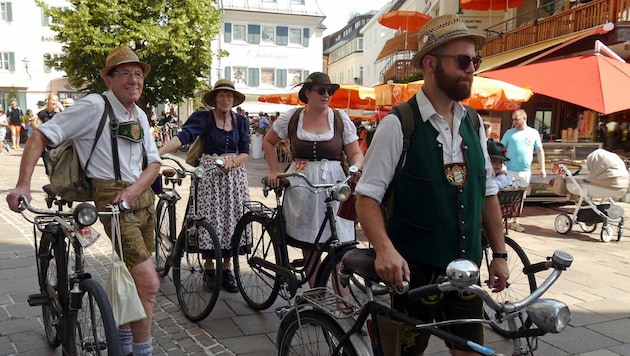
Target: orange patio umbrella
[404,20]
[485,94]
[348,97]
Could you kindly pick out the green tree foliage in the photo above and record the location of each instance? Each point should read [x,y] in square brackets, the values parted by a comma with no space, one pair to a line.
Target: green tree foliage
[173,36]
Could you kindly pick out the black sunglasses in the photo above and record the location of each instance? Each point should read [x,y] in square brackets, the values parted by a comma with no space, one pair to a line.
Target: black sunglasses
[462,59]
[322,90]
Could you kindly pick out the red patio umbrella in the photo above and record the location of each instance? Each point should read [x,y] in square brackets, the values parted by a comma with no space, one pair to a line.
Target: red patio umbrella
[404,20]
[593,81]
[348,96]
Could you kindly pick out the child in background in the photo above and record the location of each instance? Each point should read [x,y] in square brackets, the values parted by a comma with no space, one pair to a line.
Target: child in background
[496,151]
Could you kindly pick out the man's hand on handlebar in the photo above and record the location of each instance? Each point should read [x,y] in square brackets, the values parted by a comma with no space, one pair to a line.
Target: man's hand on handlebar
[13,198]
[392,267]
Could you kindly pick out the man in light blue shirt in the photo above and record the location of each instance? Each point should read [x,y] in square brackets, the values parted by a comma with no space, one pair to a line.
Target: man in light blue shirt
[521,141]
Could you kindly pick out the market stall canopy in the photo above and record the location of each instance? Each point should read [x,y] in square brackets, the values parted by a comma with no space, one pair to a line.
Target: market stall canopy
[486,94]
[483,5]
[348,96]
[595,81]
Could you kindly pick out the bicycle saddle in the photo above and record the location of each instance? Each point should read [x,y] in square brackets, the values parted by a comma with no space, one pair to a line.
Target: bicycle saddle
[361,261]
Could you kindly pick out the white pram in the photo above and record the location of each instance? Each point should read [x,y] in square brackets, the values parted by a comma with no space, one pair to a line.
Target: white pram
[607,180]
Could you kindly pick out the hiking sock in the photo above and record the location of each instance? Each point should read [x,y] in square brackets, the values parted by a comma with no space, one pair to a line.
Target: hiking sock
[143,348]
[125,338]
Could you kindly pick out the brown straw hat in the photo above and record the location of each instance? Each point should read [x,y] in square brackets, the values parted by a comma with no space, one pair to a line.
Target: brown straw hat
[122,55]
[439,31]
[210,97]
[315,78]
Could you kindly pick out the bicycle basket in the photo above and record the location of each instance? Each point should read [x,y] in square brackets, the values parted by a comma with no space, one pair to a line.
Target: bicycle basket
[510,201]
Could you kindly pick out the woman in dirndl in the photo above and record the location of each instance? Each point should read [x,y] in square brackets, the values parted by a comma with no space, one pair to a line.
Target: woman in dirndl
[317,147]
[222,192]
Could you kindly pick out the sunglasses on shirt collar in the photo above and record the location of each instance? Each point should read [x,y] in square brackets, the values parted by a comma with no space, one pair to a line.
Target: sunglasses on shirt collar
[462,60]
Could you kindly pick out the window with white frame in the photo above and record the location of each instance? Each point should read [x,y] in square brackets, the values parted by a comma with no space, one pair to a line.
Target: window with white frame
[295,36]
[297,2]
[239,33]
[267,76]
[6,61]
[295,77]
[240,75]
[268,34]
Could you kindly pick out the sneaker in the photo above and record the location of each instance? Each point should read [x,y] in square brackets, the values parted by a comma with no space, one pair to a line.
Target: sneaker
[517,227]
[6,148]
[229,282]
[209,280]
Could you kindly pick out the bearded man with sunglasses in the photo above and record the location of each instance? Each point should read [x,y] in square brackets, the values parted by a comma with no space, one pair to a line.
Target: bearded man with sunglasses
[442,191]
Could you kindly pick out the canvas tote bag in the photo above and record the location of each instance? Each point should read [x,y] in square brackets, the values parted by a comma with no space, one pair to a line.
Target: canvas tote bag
[121,289]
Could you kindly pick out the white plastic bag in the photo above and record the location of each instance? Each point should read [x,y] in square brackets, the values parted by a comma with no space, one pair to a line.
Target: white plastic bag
[121,289]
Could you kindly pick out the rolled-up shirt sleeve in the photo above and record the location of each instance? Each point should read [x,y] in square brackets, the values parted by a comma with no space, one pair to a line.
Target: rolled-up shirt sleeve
[381,159]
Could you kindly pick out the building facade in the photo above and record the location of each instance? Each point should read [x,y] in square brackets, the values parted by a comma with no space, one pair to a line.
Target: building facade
[272,46]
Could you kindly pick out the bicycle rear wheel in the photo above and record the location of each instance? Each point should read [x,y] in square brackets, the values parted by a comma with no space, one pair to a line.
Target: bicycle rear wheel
[48,282]
[165,232]
[195,298]
[95,329]
[258,285]
[519,285]
[315,333]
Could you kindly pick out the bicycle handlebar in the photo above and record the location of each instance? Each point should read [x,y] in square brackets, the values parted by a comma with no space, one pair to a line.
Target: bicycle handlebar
[560,261]
[218,163]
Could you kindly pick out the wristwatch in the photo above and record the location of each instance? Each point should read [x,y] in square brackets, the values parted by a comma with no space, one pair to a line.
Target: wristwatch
[503,255]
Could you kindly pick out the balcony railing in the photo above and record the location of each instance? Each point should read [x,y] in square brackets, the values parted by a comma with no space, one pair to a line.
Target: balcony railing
[529,28]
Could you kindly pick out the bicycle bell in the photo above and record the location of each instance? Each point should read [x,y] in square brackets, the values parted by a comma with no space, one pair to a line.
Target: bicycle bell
[462,273]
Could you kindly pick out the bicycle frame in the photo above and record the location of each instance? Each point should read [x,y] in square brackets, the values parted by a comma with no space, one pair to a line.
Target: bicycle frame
[290,270]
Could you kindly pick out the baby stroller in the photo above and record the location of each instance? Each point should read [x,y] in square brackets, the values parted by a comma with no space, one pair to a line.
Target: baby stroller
[607,180]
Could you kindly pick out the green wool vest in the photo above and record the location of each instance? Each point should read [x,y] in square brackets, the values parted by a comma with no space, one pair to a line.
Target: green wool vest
[434,222]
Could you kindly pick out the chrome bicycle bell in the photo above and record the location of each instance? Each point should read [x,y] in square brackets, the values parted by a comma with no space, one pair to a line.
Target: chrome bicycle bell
[462,273]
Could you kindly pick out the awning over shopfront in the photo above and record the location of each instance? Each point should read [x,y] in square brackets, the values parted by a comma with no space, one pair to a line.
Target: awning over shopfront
[495,61]
[397,43]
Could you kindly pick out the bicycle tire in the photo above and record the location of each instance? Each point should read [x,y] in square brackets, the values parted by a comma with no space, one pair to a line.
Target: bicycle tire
[94,325]
[47,259]
[258,286]
[316,333]
[195,301]
[165,232]
[519,285]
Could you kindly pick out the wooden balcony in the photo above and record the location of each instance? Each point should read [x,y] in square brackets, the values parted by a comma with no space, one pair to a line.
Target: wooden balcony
[524,31]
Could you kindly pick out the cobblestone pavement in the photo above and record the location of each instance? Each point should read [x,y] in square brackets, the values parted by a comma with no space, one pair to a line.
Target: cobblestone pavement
[596,287]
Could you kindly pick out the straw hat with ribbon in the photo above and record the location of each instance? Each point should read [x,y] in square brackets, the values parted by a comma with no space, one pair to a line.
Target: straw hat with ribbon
[210,97]
[439,31]
[122,55]
[315,78]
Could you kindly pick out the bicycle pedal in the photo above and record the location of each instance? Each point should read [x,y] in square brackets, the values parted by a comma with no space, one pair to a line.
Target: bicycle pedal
[282,311]
[36,300]
[299,262]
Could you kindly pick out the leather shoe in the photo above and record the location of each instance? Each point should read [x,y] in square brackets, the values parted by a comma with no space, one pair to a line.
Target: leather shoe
[229,282]
[209,280]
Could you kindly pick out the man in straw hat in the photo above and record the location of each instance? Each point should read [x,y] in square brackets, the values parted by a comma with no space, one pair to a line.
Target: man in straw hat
[439,195]
[124,75]
[223,192]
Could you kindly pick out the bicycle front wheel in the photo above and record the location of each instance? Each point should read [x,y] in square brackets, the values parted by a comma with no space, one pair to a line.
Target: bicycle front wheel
[258,285]
[519,285]
[310,332]
[48,282]
[164,236]
[196,297]
[94,327]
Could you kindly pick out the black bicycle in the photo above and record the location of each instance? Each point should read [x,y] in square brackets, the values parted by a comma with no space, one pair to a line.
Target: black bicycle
[75,310]
[196,298]
[263,268]
[316,325]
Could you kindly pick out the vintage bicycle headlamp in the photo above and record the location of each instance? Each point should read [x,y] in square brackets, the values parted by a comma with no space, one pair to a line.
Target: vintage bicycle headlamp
[550,315]
[85,214]
[462,272]
[341,192]
[199,172]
